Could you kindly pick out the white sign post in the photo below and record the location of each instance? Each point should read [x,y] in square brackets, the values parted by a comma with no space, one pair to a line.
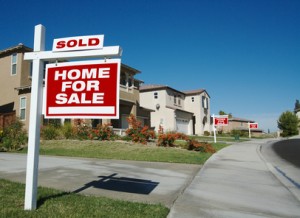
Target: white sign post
[219,120]
[94,44]
[252,126]
[35,121]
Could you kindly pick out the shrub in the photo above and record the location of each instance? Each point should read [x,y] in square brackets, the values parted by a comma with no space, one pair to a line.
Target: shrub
[168,139]
[81,129]
[49,132]
[206,133]
[14,136]
[1,135]
[137,132]
[235,132]
[194,145]
[102,132]
[68,131]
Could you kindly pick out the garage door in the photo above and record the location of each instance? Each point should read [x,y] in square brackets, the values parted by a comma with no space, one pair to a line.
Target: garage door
[182,125]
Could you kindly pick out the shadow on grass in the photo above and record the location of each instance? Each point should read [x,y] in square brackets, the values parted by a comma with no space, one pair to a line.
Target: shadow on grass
[112,183]
[42,200]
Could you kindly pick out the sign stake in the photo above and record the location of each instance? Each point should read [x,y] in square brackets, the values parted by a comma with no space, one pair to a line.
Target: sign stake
[35,122]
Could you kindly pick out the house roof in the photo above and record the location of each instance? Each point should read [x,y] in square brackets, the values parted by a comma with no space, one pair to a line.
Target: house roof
[14,49]
[241,120]
[178,109]
[126,67]
[195,92]
[153,87]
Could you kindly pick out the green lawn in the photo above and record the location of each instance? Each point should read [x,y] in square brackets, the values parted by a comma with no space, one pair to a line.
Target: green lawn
[122,151]
[53,203]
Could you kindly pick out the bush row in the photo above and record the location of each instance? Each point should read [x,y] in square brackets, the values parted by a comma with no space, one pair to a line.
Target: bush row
[14,137]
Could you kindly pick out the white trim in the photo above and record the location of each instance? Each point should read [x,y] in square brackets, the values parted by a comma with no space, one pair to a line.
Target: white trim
[82,110]
[108,51]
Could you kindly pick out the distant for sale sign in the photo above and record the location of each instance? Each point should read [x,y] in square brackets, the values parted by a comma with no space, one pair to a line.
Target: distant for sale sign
[253,125]
[221,120]
[86,89]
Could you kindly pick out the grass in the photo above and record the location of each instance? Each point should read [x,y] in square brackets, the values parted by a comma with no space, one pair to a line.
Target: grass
[220,138]
[53,203]
[122,151]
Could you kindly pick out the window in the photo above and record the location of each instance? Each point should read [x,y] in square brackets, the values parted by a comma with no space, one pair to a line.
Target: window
[205,102]
[14,64]
[22,108]
[175,99]
[179,100]
[193,99]
[130,81]
[123,79]
[155,95]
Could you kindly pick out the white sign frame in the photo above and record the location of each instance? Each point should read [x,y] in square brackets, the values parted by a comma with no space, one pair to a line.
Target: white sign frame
[38,56]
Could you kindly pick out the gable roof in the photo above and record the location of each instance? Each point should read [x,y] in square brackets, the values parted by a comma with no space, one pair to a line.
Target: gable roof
[153,87]
[14,49]
[241,120]
[126,67]
[195,92]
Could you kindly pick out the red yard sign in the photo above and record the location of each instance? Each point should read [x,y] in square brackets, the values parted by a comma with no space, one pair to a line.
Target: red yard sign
[221,120]
[253,125]
[87,89]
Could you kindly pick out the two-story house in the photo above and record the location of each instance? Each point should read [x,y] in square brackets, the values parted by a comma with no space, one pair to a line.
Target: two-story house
[15,91]
[174,110]
[15,85]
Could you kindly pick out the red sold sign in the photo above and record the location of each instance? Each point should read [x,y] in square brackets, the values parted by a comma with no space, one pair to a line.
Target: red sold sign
[221,120]
[83,89]
[78,43]
[253,125]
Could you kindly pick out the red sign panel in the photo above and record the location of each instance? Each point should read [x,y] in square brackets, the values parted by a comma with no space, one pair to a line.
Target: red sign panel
[87,89]
[253,125]
[221,120]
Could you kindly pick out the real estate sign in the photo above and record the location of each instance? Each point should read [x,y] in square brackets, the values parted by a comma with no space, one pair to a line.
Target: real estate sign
[83,89]
[253,125]
[221,120]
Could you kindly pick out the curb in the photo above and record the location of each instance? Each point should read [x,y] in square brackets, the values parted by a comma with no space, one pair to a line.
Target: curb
[279,175]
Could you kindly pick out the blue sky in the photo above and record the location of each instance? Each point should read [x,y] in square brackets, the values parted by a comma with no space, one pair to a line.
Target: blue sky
[245,53]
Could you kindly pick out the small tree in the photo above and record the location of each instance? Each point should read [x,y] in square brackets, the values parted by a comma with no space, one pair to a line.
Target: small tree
[297,106]
[138,133]
[224,113]
[288,123]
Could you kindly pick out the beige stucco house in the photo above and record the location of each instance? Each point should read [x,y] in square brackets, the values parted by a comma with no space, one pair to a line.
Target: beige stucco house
[15,85]
[241,124]
[15,91]
[187,112]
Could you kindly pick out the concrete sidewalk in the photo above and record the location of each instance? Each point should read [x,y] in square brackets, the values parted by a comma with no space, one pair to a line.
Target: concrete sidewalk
[236,183]
[138,181]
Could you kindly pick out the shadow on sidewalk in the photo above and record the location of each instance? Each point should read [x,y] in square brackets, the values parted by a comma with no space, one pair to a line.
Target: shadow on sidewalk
[121,184]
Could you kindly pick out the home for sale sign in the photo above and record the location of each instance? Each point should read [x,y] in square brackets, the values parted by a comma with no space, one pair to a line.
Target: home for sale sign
[83,89]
